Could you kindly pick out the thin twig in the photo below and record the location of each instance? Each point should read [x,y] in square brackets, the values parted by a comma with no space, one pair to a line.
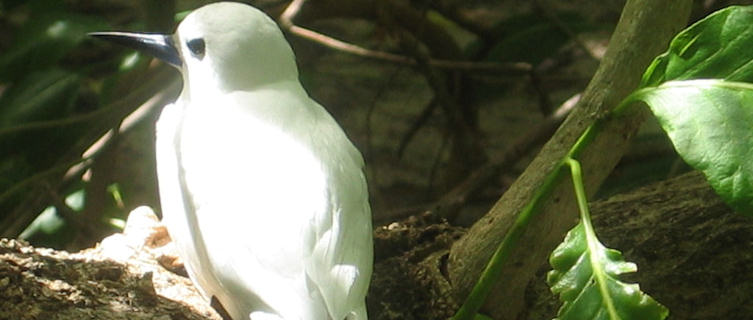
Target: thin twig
[565,29]
[286,22]
[423,117]
[447,206]
[47,124]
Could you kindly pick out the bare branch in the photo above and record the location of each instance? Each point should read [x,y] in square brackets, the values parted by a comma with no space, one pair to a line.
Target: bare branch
[286,22]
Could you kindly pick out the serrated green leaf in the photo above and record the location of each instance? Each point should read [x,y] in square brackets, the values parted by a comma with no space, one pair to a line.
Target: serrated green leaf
[718,46]
[586,276]
[710,123]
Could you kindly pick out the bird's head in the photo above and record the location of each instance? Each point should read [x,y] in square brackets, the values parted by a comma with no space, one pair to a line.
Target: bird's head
[238,45]
[225,45]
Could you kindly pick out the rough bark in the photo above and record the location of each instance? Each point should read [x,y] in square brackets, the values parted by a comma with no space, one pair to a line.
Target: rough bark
[693,255]
[124,277]
[644,30]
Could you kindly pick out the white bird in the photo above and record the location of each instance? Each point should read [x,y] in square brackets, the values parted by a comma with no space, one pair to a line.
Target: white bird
[261,190]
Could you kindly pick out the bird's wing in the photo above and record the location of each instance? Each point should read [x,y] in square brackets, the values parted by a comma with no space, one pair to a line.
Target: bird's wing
[341,254]
[175,207]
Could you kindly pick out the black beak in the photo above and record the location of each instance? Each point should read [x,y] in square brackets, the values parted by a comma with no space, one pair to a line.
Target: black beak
[158,45]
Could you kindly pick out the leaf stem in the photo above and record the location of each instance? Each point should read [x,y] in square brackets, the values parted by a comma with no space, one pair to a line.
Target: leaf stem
[580,191]
[493,269]
[594,247]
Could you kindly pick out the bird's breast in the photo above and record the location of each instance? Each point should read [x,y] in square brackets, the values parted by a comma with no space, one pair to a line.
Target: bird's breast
[266,182]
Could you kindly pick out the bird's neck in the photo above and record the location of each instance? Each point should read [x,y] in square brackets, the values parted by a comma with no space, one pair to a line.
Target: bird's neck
[204,85]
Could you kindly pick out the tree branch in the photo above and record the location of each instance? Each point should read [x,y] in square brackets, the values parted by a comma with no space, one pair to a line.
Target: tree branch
[286,22]
[644,30]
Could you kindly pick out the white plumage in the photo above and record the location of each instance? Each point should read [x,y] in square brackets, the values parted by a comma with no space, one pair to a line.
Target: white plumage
[261,190]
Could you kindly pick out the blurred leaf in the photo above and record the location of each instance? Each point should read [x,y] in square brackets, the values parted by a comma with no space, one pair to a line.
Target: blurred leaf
[179,16]
[43,41]
[463,38]
[718,47]
[48,222]
[586,276]
[710,123]
[39,96]
[49,229]
[534,38]
[117,196]
[118,224]
[76,200]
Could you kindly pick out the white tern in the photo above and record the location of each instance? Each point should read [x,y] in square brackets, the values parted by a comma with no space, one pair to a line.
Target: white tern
[261,190]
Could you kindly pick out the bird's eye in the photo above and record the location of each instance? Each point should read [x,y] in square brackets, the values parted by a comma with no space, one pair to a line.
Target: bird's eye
[197,47]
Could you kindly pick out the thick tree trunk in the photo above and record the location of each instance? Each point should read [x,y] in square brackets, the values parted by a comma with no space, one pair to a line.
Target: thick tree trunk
[644,30]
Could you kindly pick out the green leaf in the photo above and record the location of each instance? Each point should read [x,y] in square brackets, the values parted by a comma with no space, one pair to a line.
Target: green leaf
[718,46]
[586,276]
[710,123]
